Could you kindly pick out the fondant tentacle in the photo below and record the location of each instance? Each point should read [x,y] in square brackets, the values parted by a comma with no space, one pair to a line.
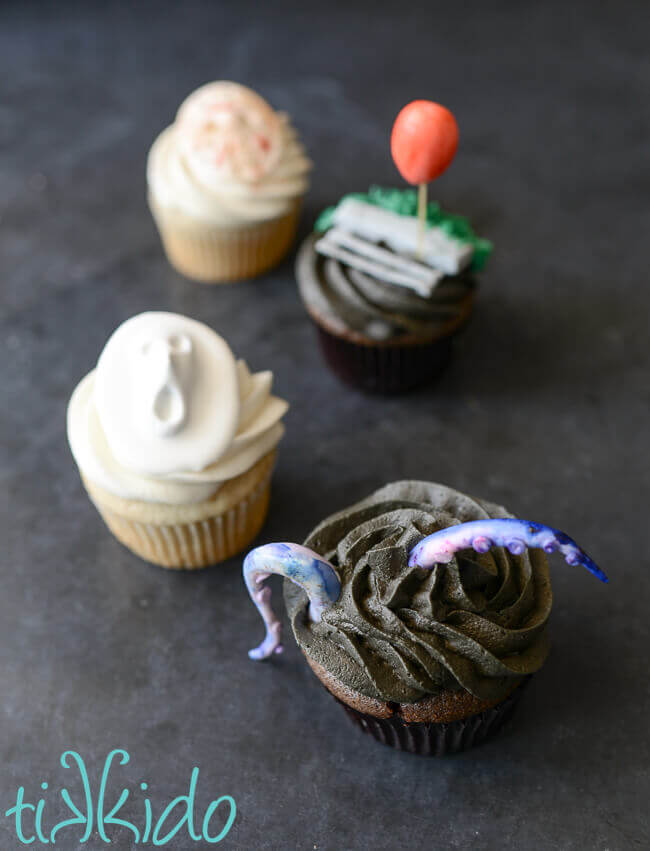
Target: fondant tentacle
[513,534]
[301,565]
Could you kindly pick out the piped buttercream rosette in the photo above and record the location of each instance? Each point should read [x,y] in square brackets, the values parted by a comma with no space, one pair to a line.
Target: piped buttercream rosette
[228,159]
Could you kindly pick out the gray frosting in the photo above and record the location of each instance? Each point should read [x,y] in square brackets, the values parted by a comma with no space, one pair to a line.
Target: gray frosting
[347,300]
[401,634]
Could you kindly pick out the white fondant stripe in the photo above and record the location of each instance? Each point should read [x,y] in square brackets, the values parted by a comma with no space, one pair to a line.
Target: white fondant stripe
[427,277]
[401,234]
[372,267]
[370,249]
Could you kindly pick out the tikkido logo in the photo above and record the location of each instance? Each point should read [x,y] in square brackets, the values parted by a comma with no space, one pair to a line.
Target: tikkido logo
[90,819]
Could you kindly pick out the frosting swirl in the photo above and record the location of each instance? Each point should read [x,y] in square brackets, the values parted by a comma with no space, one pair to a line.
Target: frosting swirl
[347,300]
[401,634]
[228,159]
[169,415]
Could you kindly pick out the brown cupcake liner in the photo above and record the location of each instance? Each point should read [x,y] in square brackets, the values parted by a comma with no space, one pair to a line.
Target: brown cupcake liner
[438,739]
[385,369]
[217,254]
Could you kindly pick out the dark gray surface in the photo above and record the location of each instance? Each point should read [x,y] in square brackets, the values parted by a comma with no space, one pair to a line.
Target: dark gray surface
[545,409]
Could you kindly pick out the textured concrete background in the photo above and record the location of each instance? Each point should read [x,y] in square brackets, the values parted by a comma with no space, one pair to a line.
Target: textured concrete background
[545,409]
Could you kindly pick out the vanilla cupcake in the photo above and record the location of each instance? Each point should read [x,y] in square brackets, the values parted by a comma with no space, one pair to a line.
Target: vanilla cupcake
[175,441]
[225,184]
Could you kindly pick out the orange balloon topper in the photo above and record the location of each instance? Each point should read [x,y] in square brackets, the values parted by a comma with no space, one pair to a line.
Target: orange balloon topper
[424,141]
[423,144]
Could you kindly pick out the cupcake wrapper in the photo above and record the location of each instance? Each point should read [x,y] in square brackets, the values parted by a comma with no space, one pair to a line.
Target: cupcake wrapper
[385,369]
[431,739]
[218,255]
[198,544]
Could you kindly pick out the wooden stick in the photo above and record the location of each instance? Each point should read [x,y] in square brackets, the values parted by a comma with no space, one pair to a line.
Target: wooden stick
[422,217]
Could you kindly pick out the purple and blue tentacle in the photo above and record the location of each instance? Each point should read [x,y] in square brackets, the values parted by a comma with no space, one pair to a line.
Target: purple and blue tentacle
[301,565]
[319,580]
[513,534]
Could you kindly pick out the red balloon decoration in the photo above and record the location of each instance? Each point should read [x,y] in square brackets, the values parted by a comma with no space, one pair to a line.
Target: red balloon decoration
[423,141]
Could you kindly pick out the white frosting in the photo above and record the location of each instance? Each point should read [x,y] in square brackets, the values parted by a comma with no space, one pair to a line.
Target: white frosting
[168,415]
[228,159]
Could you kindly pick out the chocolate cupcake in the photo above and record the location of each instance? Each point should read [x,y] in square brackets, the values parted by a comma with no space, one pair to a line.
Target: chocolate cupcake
[423,611]
[388,278]
[386,318]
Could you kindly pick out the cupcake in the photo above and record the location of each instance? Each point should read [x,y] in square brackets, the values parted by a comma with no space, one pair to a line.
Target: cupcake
[423,611]
[389,280]
[225,184]
[175,441]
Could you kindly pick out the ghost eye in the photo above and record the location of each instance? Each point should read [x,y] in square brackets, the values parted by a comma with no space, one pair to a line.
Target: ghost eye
[179,343]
